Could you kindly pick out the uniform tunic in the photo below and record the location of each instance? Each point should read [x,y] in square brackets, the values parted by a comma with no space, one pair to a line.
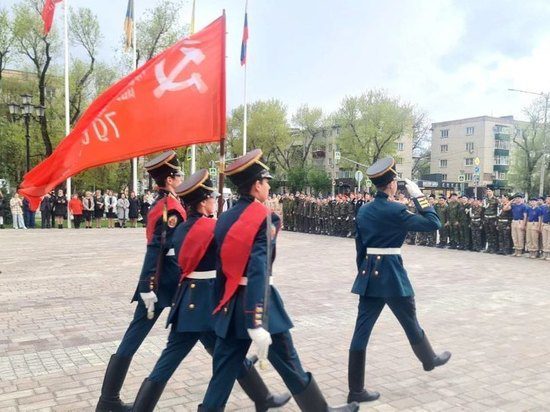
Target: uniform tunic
[240,313]
[382,279]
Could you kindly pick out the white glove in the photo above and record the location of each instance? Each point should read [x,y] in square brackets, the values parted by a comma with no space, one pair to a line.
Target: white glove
[149,300]
[413,188]
[262,340]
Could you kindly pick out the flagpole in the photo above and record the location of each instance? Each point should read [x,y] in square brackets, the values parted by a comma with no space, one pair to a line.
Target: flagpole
[134,57]
[245,120]
[221,169]
[193,147]
[67,112]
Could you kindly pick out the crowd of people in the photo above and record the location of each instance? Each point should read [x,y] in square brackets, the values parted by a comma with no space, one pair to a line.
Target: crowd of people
[505,225]
[87,208]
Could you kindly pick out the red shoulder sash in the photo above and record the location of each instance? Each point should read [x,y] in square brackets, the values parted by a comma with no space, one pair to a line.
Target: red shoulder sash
[155,213]
[195,245]
[237,246]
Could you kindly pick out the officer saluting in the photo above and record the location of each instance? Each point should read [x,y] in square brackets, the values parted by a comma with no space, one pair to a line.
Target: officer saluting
[251,309]
[195,299]
[158,279]
[381,229]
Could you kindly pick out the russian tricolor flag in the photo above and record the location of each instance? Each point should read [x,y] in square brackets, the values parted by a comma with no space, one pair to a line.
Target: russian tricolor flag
[245,39]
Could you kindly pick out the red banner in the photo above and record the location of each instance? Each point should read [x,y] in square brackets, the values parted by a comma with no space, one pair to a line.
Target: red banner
[47,14]
[175,99]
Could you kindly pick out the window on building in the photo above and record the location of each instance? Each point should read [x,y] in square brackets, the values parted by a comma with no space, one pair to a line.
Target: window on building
[443,163]
[500,175]
[400,146]
[469,161]
[444,133]
[470,146]
[444,148]
[443,176]
[468,176]
[469,131]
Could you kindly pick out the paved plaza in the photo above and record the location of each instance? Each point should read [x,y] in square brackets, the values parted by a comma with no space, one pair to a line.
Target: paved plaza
[65,303]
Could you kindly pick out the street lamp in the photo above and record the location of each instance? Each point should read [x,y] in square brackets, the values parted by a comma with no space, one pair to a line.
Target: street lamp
[545,138]
[26,111]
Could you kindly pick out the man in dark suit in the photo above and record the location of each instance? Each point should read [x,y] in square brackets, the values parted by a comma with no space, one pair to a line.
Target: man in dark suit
[382,226]
[251,309]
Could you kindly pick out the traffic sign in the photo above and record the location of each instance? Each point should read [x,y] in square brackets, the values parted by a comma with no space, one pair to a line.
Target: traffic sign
[476,170]
[461,178]
[359,176]
[333,182]
[476,161]
[337,155]
[213,171]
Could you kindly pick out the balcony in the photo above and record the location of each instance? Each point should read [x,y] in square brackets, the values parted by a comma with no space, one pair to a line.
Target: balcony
[500,183]
[501,168]
[502,152]
[505,136]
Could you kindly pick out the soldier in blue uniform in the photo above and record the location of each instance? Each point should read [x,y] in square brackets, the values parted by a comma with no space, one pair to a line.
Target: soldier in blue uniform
[251,309]
[158,279]
[195,299]
[382,280]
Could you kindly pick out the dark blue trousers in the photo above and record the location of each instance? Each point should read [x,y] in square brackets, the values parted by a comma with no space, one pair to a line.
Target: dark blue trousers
[228,358]
[404,309]
[138,330]
[178,347]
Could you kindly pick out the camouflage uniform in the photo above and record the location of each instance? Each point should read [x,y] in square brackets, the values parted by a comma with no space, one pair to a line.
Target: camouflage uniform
[504,233]
[476,225]
[490,223]
[464,227]
[454,224]
[442,211]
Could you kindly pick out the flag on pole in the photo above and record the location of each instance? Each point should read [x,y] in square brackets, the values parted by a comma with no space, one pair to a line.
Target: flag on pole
[47,14]
[129,25]
[175,99]
[245,39]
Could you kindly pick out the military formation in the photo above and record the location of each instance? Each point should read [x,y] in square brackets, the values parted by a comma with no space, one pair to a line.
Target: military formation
[504,225]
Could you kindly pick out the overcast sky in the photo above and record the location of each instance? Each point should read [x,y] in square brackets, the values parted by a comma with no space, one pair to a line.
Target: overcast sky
[452,58]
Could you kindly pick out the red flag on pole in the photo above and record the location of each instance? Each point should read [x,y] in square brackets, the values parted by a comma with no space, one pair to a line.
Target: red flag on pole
[175,99]
[47,14]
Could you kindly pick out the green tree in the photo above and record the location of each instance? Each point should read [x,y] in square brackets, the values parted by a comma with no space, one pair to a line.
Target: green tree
[370,124]
[318,180]
[6,40]
[528,149]
[84,32]
[38,48]
[309,122]
[267,129]
[297,178]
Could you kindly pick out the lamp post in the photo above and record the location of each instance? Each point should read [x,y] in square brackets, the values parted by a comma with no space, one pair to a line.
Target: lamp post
[545,148]
[26,111]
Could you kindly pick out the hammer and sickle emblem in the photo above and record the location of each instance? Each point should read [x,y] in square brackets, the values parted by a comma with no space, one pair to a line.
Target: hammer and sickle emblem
[169,83]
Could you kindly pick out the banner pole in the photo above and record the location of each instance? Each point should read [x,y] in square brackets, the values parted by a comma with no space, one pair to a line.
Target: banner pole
[193,147]
[134,57]
[67,111]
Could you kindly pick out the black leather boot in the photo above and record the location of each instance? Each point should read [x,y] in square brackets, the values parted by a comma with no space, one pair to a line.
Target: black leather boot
[148,396]
[356,378]
[427,356]
[109,401]
[312,400]
[254,386]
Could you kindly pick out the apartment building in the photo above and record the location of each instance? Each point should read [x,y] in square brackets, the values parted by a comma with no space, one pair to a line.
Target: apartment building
[473,151]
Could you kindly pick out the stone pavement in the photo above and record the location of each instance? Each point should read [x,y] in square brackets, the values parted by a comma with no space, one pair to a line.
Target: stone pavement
[64,305]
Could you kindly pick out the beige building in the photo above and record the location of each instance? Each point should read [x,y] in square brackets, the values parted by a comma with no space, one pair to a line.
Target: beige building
[475,151]
[325,146]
